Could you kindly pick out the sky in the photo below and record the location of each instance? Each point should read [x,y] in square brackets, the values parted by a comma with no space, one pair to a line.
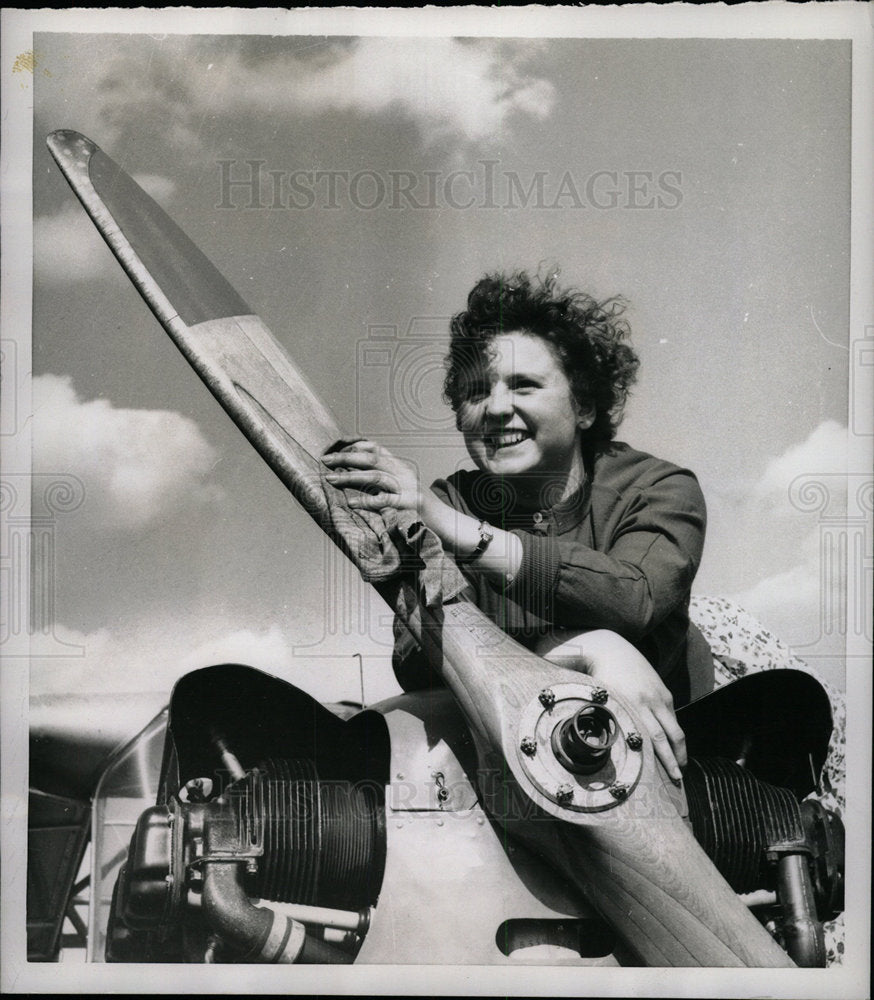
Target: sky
[706,181]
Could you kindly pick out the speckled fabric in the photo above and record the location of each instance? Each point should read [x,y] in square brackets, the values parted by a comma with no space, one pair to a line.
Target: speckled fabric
[741,646]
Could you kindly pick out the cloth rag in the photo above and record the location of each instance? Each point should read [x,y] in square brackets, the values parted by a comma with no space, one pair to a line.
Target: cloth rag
[391,545]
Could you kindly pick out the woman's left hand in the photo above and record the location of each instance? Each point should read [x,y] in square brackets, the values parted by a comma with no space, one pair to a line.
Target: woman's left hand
[615,663]
[385,480]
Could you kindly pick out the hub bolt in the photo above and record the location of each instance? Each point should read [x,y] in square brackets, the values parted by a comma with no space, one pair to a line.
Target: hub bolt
[547,697]
[634,740]
[564,794]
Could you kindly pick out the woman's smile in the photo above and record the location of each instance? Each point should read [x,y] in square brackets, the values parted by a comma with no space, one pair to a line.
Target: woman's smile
[499,440]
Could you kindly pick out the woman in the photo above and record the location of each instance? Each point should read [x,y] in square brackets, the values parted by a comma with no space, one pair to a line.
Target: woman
[560,529]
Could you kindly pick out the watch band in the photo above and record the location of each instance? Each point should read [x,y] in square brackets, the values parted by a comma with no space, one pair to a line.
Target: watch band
[485,536]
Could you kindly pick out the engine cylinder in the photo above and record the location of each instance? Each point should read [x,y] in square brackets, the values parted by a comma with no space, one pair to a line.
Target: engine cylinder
[324,841]
[738,819]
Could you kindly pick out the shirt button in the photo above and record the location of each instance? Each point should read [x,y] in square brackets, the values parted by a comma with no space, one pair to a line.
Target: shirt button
[538,517]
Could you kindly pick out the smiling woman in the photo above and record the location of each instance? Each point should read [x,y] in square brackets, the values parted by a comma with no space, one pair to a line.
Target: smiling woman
[519,416]
[564,533]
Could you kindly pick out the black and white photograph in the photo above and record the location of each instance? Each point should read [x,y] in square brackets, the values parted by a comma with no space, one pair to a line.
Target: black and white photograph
[437,500]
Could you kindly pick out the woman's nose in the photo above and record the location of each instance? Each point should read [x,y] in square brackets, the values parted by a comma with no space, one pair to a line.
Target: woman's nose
[499,400]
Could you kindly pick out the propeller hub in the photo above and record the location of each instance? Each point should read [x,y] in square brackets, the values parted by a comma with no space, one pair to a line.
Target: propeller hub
[583,742]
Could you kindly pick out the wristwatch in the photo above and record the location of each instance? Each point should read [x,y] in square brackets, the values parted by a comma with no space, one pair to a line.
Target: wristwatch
[485,536]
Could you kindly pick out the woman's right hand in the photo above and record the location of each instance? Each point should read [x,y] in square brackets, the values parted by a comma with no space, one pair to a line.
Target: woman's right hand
[384,479]
[614,662]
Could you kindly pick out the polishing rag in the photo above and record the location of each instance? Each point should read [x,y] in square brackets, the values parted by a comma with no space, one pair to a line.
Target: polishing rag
[389,544]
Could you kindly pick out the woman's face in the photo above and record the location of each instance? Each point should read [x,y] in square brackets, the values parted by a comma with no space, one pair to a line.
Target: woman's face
[519,416]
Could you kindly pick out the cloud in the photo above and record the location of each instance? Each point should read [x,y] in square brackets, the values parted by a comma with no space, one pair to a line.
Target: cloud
[153,657]
[137,466]
[466,89]
[799,493]
[789,603]
[822,454]
[67,248]
[447,85]
[149,657]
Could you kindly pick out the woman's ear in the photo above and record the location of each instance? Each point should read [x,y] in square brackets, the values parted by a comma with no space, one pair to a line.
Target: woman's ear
[585,417]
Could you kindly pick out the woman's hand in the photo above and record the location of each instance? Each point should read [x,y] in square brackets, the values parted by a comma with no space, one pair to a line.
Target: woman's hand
[388,481]
[610,659]
[385,481]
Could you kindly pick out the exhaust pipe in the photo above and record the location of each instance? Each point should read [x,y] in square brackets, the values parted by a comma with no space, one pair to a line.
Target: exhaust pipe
[261,933]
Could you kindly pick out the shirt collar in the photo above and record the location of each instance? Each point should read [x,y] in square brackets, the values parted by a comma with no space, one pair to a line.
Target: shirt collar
[560,517]
[568,513]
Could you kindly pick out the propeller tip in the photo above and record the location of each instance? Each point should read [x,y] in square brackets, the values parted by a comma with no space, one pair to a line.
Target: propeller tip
[70,148]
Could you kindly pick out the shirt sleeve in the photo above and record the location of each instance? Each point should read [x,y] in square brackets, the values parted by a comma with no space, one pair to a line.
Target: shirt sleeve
[644,572]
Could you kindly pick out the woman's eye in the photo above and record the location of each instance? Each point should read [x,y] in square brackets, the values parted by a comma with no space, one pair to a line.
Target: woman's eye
[524,385]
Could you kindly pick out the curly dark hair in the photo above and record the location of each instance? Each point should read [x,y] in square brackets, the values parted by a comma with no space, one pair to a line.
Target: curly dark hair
[586,335]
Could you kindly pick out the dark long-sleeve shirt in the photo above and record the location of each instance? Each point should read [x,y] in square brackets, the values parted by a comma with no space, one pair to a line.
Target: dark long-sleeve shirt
[619,554]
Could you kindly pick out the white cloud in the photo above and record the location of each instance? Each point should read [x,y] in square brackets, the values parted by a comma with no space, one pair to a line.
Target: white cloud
[153,658]
[469,89]
[67,247]
[150,657]
[788,603]
[137,466]
[142,92]
[472,88]
[823,453]
[798,602]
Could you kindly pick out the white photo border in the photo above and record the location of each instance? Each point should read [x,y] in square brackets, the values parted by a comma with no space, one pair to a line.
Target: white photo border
[748,21]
